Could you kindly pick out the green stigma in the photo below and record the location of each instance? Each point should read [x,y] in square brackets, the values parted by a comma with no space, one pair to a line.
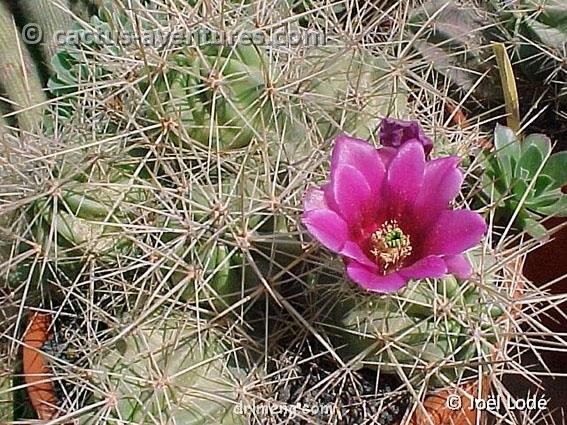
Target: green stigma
[390,246]
[395,238]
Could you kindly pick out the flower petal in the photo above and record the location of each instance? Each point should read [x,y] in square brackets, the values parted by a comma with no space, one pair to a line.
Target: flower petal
[373,281]
[360,155]
[432,266]
[353,251]
[405,175]
[458,265]
[350,193]
[454,232]
[441,182]
[314,199]
[327,227]
[387,154]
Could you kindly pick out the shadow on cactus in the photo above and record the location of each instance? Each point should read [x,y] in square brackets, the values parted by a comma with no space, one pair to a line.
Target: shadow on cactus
[453,37]
[456,39]
[540,29]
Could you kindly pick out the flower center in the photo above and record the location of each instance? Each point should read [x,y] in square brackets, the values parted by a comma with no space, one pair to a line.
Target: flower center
[390,246]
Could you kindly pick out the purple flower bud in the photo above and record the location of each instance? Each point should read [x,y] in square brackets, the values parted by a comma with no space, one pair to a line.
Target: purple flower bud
[395,133]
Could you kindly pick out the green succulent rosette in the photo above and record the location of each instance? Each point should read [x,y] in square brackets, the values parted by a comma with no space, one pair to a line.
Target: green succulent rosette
[523,178]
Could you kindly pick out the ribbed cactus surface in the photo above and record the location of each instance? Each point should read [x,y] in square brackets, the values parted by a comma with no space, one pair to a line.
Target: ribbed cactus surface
[436,331]
[168,370]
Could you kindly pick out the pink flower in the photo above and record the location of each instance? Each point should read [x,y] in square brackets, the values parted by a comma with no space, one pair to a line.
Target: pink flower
[391,220]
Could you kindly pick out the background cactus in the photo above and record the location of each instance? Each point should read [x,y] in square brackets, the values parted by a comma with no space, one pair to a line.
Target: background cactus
[6,402]
[207,203]
[458,38]
[539,29]
[19,76]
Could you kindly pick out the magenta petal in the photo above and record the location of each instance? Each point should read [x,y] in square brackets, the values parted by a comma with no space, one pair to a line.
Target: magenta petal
[454,232]
[353,251]
[327,227]
[351,193]
[387,154]
[372,281]
[441,183]
[405,174]
[360,155]
[431,266]
[314,200]
[458,265]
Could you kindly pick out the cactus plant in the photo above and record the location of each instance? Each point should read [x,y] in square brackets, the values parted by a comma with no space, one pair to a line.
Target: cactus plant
[86,217]
[540,28]
[203,185]
[224,96]
[429,332]
[455,37]
[26,95]
[365,213]
[7,316]
[237,192]
[29,29]
[167,371]
[50,16]
[6,398]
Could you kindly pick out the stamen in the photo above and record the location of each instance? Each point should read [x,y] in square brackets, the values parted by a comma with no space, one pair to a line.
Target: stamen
[390,246]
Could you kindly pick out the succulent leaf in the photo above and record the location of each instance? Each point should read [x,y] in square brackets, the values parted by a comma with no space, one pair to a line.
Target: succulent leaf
[518,166]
